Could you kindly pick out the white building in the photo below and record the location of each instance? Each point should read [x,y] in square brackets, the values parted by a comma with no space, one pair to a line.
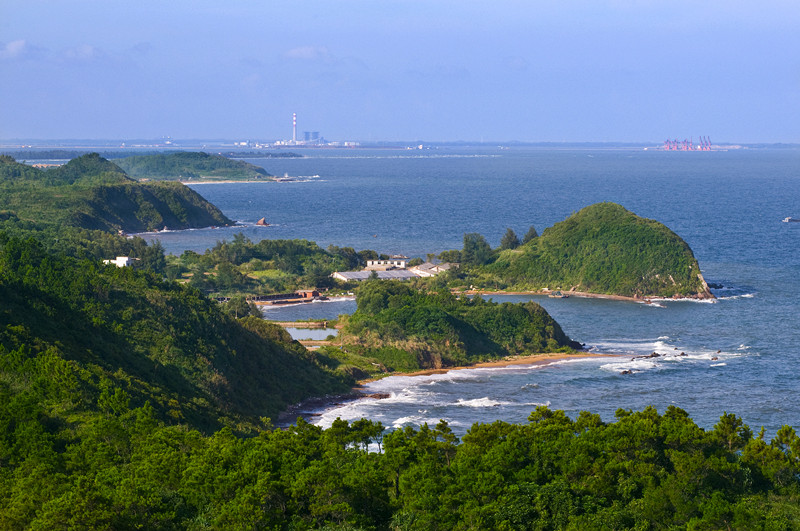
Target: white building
[121,261]
[428,269]
[383,265]
[393,273]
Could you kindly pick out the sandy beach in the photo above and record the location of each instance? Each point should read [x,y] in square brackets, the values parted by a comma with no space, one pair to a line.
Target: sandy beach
[533,359]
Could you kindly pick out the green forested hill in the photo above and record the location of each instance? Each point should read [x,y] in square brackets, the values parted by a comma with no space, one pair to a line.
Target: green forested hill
[187,165]
[92,193]
[607,249]
[405,329]
[70,329]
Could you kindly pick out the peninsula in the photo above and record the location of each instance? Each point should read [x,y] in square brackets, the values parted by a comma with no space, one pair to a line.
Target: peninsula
[90,192]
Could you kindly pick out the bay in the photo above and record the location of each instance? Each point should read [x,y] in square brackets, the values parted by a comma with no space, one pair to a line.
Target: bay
[727,205]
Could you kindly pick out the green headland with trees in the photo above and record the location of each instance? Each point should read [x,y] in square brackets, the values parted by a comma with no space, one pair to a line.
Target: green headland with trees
[93,193]
[602,249]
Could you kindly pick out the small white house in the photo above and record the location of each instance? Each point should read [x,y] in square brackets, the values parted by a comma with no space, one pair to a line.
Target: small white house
[121,261]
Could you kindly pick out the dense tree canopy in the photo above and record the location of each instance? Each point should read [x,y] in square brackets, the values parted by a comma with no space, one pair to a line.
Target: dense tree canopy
[509,240]
[476,250]
[155,340]
[530,235]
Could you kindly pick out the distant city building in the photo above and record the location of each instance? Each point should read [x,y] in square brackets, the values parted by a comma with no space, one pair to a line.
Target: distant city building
[309,138]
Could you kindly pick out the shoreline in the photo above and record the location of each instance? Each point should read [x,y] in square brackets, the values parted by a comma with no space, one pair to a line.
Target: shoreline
[229,181]
[650,299]
[314,406]
[530,359]
[568,293]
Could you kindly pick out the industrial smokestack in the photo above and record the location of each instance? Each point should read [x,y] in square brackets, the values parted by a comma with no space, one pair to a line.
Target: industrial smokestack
[294,127]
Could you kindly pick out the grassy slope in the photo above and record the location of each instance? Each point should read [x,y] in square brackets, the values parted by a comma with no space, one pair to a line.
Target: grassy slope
[604,248]
[189,165]
[93,193]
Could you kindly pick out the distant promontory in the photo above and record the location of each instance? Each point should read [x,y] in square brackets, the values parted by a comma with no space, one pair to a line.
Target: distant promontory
[190,165]
[90,192]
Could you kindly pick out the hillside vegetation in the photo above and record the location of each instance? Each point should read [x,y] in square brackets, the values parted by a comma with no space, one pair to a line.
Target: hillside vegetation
[605,249]
[78,327]
[188,165]
[92,193]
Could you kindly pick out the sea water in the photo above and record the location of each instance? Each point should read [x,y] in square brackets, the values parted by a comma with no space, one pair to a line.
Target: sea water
[740,352]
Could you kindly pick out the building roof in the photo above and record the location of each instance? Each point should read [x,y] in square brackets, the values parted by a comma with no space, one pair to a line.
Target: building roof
[392,274]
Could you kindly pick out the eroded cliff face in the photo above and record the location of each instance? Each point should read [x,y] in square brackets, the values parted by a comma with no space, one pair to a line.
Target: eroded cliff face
[705,292]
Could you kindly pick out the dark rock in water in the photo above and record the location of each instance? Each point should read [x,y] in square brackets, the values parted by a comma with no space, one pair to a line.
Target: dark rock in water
[626,371]
[682,354]
[713,285]
[379,396]
[714,358]
[653,355]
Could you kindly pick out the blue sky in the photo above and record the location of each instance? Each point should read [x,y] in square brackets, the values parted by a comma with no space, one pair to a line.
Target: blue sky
[574,70]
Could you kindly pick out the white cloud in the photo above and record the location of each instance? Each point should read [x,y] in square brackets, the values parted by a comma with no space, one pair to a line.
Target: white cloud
[13,49]
[309,53]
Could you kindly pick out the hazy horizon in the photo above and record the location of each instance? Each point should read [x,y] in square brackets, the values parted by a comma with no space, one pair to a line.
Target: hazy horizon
[612,71]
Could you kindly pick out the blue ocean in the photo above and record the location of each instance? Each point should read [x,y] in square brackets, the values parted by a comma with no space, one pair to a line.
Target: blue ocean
[740,352]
